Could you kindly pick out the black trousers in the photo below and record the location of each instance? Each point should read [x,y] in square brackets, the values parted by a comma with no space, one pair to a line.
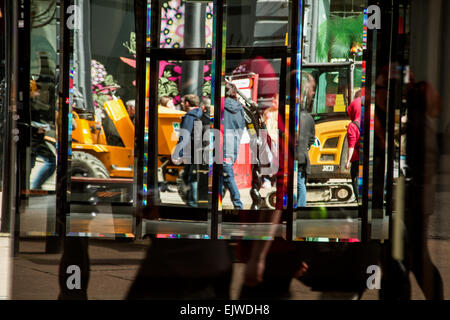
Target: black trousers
[354,172]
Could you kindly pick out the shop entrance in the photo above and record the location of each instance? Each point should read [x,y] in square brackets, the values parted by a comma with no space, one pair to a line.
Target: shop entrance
[121,111]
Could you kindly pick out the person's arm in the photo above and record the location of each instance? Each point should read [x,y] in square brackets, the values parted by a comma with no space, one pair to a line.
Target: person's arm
[312,137]
[349,157]
[351,139]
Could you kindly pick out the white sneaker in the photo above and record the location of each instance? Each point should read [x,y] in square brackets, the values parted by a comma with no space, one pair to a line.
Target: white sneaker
[267,185]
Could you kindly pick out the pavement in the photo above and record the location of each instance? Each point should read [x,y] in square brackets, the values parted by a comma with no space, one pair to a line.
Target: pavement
[114,266]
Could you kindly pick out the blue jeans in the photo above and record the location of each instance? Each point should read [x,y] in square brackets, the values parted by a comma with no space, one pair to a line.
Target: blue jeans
[45,172]
[301,189]
[230,184]
[190,178]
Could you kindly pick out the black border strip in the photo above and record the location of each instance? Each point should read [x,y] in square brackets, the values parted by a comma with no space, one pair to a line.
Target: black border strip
[140,15]
[62,205]
[152,176]
[9,198]
[292,115]
[368,58]
[219,8]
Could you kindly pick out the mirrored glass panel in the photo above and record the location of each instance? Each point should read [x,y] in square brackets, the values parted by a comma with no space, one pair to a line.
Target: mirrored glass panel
[184,120]
[38,124]
[258,23]
[254,166]
[178,174]
[180,18]
[329,126]
[253,189]
[101,127]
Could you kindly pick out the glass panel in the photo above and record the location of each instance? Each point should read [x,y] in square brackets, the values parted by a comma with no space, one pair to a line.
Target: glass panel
[184,114]
[251,168]
[102,126]
[39,163]
[184,119]
[258,23]
[186,24]
[253,183]
[258,80]
[331,82]
[326,94]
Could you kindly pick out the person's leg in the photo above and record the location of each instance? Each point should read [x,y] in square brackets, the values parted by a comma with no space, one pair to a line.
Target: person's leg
[185,174]
[193,194]
[230,184]
[403,165]
[280,269]
[193,183]
[301,189]
[354,172]
[425,271]
[44,173]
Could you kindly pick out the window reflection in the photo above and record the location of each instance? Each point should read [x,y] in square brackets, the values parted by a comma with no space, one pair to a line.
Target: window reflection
[102,128]
[258,23]
[43,64]
[37,124]
[257,159]
[179,17]
[332,77]
[184,120]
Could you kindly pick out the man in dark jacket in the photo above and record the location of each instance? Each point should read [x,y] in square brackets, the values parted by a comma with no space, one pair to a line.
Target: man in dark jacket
[306,137]
[234,124]
[185,151]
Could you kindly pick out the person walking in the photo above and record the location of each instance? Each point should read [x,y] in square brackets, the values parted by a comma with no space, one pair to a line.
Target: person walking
[190,103]
[307,133]
[353,133]
[234,124]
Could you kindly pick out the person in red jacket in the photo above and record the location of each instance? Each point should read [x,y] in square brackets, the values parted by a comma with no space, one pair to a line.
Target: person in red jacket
[353,133]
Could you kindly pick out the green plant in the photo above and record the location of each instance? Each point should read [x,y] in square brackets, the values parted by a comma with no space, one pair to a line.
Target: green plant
[167,87]
[337,35]
[131,46]
[206,91]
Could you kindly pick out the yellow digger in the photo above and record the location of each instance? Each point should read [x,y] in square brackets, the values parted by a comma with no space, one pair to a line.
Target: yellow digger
[103,148]
[329,181]
[103,145]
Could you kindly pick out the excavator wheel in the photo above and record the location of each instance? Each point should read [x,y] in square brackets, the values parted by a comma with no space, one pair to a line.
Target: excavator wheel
[271,200]
[87,165]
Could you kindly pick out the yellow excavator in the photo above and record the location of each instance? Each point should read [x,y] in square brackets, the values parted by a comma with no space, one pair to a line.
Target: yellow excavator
[329,181]
[103,144]
[103,148]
